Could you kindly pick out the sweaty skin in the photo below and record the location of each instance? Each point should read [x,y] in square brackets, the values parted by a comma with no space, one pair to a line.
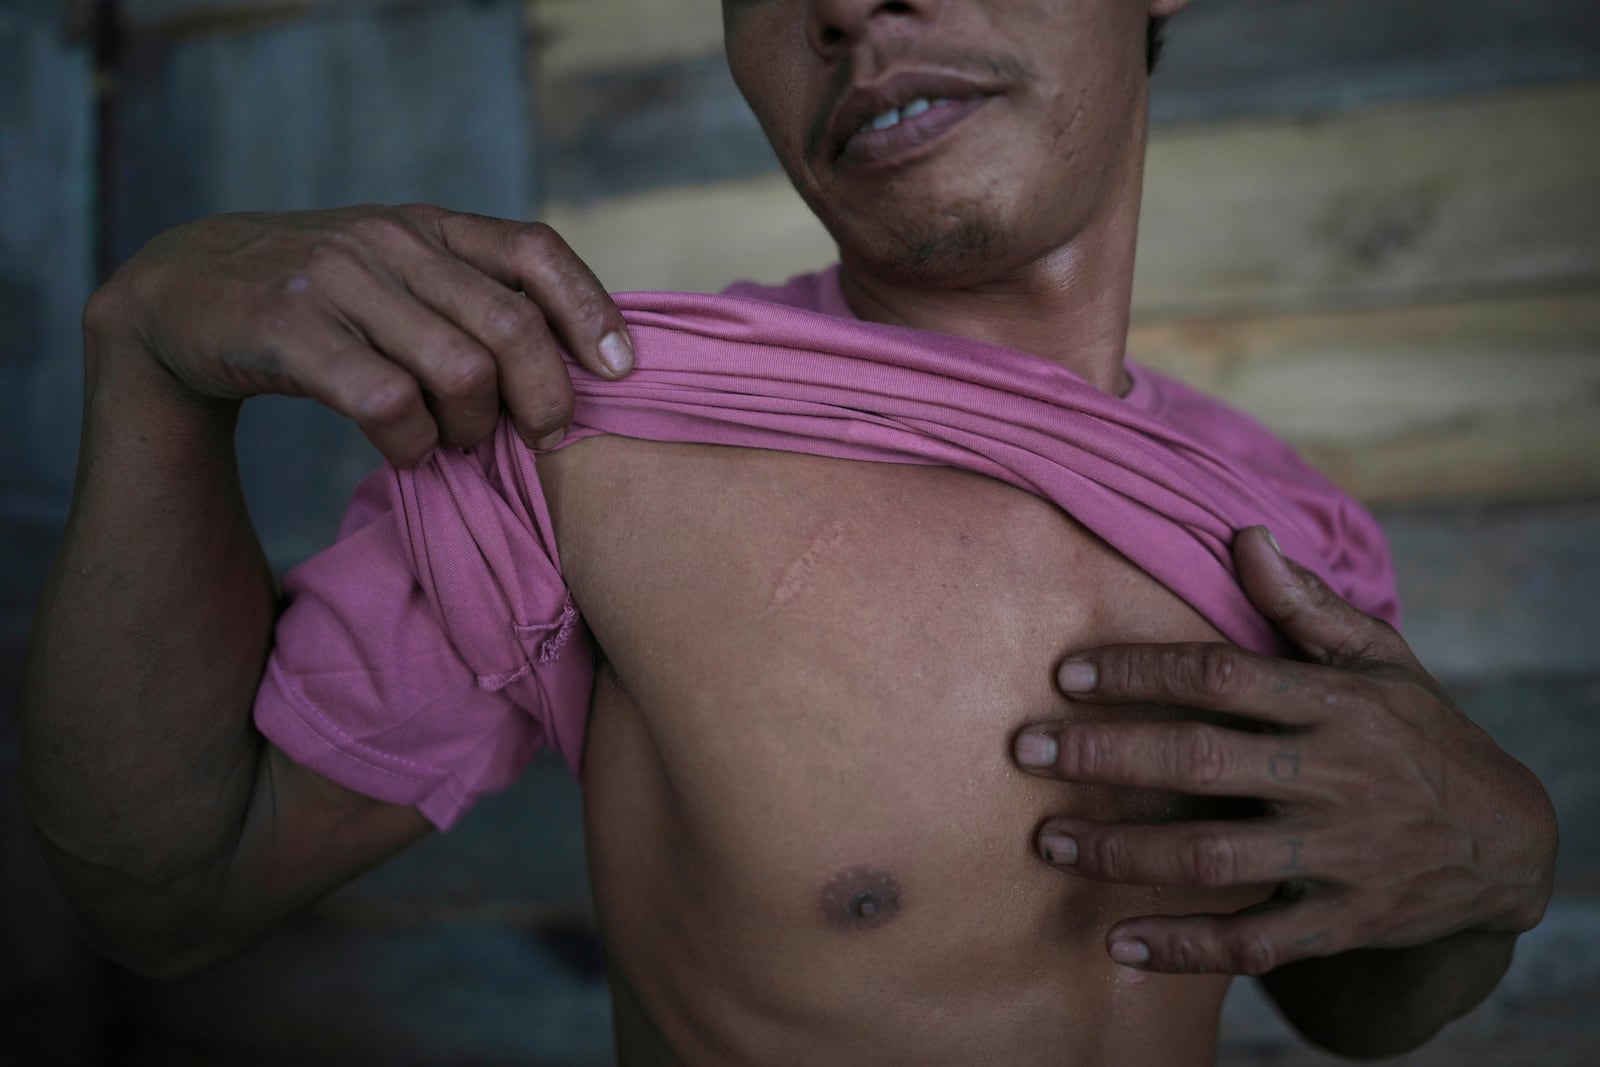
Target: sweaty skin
[820,799]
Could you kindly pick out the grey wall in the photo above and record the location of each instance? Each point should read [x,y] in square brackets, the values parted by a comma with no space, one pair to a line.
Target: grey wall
[228,106]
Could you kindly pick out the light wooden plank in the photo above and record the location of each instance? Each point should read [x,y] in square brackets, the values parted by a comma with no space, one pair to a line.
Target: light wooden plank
[1422,200]
[1235,58]
[1431,201]
[697,238]
[588,35]
[1493,399]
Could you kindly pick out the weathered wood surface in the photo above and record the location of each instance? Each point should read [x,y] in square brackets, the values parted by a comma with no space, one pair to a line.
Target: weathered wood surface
[1433,200]
[576,37]
[1497,397]
[637,95]
[337,105]
[696,238]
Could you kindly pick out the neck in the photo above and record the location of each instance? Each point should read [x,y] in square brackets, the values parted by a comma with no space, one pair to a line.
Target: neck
[1071,305]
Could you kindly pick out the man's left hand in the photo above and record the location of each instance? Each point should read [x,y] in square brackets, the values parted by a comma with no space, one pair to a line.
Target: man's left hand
[1391,819]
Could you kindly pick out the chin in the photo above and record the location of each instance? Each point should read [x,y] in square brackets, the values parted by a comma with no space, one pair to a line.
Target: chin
[946,249]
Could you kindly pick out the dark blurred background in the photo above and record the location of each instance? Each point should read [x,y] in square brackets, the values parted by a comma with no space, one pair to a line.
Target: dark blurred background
[1375,223]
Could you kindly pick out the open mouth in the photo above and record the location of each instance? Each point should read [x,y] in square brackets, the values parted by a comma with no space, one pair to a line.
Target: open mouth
[897,118]
[896,135]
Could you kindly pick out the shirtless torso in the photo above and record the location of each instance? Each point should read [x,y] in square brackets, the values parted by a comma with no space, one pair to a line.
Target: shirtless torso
[807,839]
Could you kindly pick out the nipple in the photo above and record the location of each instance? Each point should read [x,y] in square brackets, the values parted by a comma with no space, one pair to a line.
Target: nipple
[860,898]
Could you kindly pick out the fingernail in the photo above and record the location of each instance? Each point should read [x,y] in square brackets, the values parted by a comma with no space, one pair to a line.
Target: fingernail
[1131,953]
[550,440]
[1036,750]
[616,352]
[1059,848]
[1273,541]
[1077,676]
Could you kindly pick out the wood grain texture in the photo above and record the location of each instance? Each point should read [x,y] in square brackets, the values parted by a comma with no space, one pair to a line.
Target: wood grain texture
[638,96]
[1426,200]
[697,238]
[1496,398]
[581,36]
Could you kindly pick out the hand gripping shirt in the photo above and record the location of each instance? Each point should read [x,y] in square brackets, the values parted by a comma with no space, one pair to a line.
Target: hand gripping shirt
[427,655]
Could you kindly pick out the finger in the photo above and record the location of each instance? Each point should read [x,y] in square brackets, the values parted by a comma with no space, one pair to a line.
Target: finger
[1252,942]
[1184,757]
[1212,676]
[1213,855]
[534,258]
[1327,627]
[456,373]
[339,369]
[532,377]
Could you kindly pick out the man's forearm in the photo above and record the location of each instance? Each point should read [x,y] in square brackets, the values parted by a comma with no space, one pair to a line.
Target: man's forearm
[137,748]
[1382,1002]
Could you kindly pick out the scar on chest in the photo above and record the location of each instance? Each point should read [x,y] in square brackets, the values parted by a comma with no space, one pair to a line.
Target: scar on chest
[798,576]
[860,899]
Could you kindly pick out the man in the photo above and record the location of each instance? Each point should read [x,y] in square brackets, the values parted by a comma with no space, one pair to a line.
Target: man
[807,844]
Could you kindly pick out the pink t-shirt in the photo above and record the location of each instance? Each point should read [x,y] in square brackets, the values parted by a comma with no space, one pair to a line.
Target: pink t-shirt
[430,652]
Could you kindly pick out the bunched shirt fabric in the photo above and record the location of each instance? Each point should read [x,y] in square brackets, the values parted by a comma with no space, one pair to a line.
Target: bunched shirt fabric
[434,649]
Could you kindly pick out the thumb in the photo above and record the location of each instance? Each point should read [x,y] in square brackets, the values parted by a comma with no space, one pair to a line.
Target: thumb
[1324,625]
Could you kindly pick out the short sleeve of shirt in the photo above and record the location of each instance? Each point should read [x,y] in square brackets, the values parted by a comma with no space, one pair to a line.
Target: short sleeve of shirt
[429,653]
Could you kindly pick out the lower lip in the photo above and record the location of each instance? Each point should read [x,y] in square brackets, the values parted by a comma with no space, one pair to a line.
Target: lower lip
[907,141]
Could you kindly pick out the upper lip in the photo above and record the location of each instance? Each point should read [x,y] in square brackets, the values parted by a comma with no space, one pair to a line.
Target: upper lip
[866,102]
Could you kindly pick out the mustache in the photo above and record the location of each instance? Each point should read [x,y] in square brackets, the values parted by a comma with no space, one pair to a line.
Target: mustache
[1007,70]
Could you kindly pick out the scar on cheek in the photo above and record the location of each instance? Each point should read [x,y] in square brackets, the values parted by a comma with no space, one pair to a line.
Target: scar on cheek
[860,898]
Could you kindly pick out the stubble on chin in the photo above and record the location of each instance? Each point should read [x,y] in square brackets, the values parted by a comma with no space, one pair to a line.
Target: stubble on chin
[949,248]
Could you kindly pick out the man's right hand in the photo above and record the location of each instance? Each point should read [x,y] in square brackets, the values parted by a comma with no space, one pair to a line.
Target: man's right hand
[412,321]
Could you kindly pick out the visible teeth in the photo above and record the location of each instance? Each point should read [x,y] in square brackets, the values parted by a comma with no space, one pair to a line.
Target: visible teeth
[884,121]
[895,116]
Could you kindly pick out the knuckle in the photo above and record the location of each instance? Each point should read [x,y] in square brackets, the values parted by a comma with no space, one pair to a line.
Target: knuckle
[1212,861]
[550,413]
[382,224]
[1253,954]
[467,372]
[1080,751]
[386,403]
[1105,855]
[509,321]
[1183,954]
[534,243]
[1126,671]
[1215,666]
[1198,758]
[331,254]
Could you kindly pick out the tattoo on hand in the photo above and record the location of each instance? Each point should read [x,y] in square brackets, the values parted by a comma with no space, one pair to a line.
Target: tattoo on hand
[1285,766]
[1293,866]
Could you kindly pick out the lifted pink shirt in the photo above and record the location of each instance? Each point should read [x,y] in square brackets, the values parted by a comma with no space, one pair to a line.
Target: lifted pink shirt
[428,654]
